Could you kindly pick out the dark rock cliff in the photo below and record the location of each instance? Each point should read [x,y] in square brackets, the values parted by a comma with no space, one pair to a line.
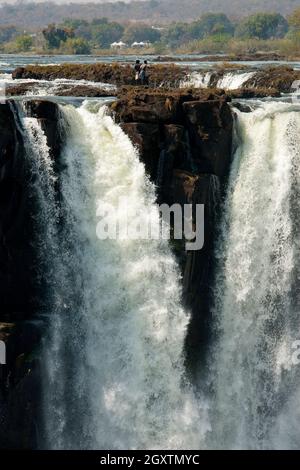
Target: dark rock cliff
[185,141]
[20,378]
[15,227]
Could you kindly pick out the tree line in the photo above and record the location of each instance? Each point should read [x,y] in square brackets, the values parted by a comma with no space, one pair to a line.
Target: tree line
[80,36]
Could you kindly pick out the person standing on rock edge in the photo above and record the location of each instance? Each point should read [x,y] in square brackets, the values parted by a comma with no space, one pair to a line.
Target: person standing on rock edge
[137,69]
[143,73]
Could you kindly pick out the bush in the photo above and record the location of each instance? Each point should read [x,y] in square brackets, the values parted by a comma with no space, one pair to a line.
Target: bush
[262,26]
[76,46]
[7,33]
[176,34]
[211,25]
[56,35]
[210,45]
[104,33]
[140,33]
[23,43]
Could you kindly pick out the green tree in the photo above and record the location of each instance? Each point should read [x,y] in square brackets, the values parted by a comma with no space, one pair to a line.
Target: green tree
[211,25]
[176,34]
[7,33]
[294,28]
[294,20]
[76,46]
[74,23]
[23,43]
[263,26]
[104,33]
[56,35]
[139,33]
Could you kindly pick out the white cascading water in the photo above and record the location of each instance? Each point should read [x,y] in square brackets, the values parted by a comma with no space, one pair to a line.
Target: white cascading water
[114,368]
[229,81]
[257,384]
[234,80]
[197,80]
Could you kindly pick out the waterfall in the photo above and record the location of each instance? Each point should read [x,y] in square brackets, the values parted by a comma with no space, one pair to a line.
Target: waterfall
[197,80]
[42,182]
[113,365]
[229,80]
[256,312]
[113,356]
[234,80]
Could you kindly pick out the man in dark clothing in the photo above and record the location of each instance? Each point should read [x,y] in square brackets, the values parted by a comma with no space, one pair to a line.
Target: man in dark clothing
[137,69]
[143,73]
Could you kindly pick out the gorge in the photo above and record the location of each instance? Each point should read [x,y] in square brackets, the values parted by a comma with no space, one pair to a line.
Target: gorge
[140,344]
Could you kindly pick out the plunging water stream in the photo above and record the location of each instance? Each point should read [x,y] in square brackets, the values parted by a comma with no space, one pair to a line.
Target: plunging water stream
[114,375]
[256,312]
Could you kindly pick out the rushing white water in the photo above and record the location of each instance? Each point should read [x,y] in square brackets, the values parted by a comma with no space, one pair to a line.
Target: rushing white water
[257,384]
[114,374]
[234,80]
[43,187]
[197,80]
[51,87]
[229,81]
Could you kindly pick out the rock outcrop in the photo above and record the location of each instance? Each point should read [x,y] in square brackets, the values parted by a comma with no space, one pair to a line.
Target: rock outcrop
[267,81]
[20,328]
[16,208]
[20,89]
[246,57]
[192,128]
[117,74]
[185,141]
[280,79]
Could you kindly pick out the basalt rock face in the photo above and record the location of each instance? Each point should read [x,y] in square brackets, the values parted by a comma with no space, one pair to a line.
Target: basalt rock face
[16,209]
[193,128]
[17,291]
[185,141]
[20,328]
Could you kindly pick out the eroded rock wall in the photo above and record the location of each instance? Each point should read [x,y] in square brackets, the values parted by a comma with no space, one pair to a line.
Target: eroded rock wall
[185,141]
[21,328]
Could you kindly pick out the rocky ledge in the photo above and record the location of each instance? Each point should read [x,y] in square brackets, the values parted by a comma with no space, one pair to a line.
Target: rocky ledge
[32,88]
[116,74]
[247,57]
[197,124]
[20,292]
[184,138]
[280,79]
[268,81]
